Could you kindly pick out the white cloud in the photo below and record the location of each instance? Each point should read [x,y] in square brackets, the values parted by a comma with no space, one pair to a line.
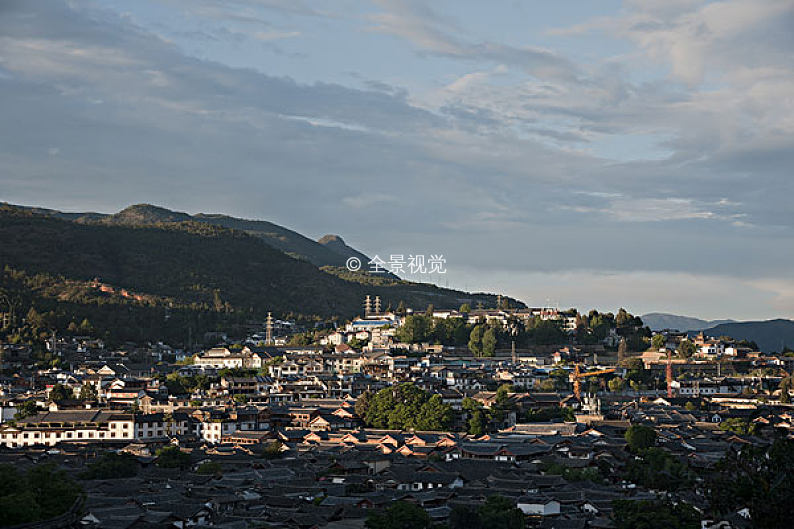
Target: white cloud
[369,200]
[419,24]
[496,165]
[275,35]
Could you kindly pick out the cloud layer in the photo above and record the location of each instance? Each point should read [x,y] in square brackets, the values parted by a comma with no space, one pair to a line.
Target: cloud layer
[520,162]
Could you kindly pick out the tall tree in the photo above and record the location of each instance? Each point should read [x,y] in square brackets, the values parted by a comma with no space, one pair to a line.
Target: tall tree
[686,348]
[758,478]
[88,392]
[400,515]
[489,342]
[640,437]
[59,393]
[475,340]
[658,341]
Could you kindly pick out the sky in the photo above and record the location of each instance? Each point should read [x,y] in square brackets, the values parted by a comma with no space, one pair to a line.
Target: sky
[584,154]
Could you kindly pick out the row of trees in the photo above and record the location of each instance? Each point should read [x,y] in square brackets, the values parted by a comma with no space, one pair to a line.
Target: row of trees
[40,493]
[497,512]
[481,338]
[404,407]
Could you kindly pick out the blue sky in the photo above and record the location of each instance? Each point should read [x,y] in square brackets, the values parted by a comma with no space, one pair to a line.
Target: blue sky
[593,154]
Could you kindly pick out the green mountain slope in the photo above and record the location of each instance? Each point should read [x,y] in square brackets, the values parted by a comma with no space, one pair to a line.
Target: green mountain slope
[228,275]
[288,241]
[658,321]
[770,335]
[338,246]
[188,262]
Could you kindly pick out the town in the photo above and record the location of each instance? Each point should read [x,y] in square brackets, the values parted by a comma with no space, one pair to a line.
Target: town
[461,417]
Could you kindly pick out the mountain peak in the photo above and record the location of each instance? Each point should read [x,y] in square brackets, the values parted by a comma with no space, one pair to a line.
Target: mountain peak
[331,239]
[148,214]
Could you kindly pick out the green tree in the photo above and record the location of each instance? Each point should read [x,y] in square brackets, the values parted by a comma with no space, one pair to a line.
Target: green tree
[172,457]
[465,308]
[548,332]
[658,341]
[111,465]
[301,339]
[60,393]
[26,409]
[686,348]
[362,404]
[40,493]
[399,515]
[415,329]
[616,384]
[273,450]
[786,385]
[88,392]
[209,468]
[34,318]
[648,514]
[406,406]
[758,478]
[489,342]
[497,512]
[477,423]
[640,437]
[654,468]
[475,340]
[86,327]
[738,426]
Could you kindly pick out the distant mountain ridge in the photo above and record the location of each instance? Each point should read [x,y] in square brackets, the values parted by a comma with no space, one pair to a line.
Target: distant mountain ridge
[330,250]
[658,321]
[162,254]
[336,244]
[771,335]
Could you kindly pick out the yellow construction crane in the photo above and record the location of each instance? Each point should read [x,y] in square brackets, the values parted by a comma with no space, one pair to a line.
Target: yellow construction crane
[577,376]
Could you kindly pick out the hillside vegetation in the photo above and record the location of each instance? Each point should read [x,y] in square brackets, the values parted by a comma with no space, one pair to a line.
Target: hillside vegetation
[189,273]
[328,251]
[771,335]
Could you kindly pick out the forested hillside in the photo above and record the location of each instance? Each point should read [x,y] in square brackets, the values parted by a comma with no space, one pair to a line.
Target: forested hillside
[189,273]
[319,253]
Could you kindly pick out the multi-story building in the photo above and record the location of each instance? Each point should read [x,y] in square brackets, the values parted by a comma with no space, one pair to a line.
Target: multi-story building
[90,426]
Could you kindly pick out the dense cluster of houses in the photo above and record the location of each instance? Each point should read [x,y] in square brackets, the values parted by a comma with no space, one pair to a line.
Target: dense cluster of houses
[331,473]
[329,469]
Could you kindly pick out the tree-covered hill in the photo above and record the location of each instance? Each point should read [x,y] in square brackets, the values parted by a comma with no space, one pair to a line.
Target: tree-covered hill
[330,250]
[192,263]
[180,266]
[770,335]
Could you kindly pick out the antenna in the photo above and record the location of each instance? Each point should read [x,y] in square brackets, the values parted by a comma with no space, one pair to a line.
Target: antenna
[269,329]
[367,306]
[377,304]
